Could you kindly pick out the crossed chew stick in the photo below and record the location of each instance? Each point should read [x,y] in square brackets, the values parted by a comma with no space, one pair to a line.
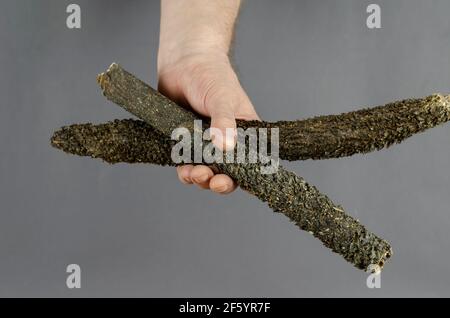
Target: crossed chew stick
[332,136]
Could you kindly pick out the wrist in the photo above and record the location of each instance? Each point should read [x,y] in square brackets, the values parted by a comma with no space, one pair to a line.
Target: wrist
[195,27]
[170,55]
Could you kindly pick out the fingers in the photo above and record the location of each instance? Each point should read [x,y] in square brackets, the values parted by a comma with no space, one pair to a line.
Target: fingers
[204,178]
[222,184]
[184,173]
[225,102]
[200,175]
[210,86]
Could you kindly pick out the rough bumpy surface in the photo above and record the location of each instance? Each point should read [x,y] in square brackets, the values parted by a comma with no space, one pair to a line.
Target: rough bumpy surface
[127,140]
[321,137]
[314,212]
[360,131]
[136,142]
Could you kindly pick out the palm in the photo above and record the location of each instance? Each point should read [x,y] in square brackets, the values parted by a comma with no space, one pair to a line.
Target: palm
[210,86]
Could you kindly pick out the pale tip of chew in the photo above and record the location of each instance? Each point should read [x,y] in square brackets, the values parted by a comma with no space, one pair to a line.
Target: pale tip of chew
[112,66]
[373,269]
[439,100]
[102,78]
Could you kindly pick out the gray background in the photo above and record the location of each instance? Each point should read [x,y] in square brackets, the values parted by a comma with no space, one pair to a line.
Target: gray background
[136,231]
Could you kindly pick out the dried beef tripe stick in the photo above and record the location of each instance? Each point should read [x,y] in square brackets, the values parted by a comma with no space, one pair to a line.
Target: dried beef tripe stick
[284,191]
[334,136]
[135,141]
[324,137]
[126,140]
[360,131]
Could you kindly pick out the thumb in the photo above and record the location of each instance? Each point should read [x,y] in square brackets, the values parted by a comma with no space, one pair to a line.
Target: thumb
[223,127]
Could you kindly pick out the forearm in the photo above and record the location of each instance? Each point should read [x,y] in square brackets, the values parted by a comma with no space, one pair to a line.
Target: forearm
[195,27]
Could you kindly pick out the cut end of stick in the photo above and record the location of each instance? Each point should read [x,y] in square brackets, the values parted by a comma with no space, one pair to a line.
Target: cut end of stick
[439,100]
[104,78]
[377,268]
[374,269]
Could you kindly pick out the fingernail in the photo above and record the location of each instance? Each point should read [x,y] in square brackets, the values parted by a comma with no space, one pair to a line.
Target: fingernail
[230,141]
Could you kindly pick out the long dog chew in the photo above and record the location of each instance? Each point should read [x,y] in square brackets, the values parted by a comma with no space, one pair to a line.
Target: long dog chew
[359,131]
[322,137]
[135,141]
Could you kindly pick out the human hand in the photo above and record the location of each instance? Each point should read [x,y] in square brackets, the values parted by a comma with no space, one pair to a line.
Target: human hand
[207,83]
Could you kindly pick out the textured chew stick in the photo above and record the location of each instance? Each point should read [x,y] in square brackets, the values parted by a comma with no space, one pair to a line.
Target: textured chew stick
[360,131]
[284,191]
[135,141]
[316,138]
[126,140]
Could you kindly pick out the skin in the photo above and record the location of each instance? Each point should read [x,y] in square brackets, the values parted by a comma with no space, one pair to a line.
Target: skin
[194,70]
